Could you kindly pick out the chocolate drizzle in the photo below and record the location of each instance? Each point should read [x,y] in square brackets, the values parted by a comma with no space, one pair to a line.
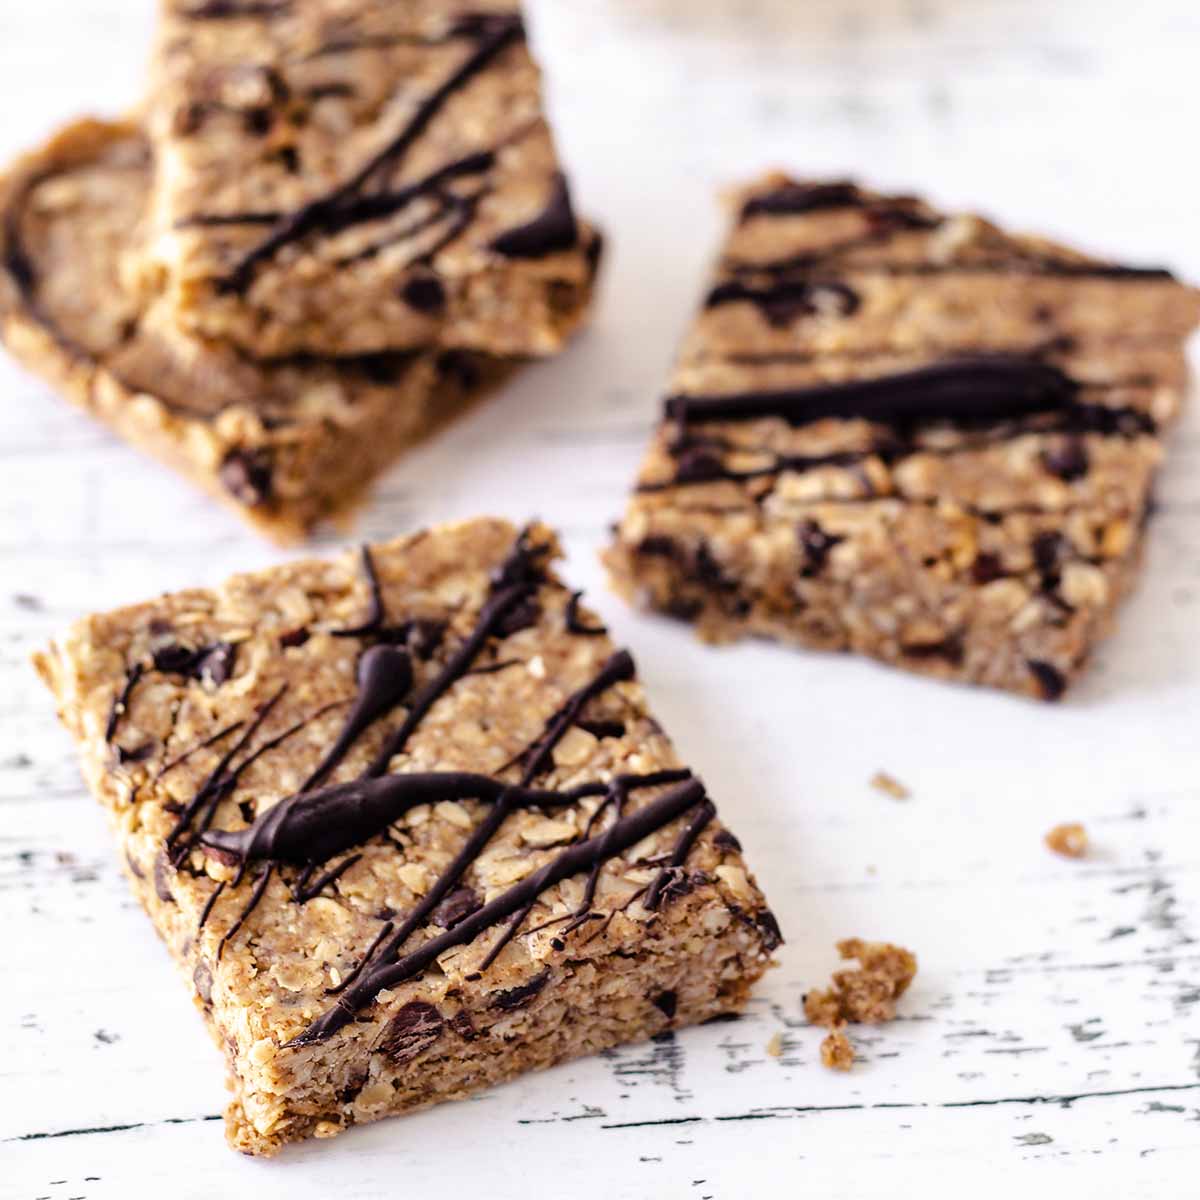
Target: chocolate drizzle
[385,676]
[553,229]
[121,703]
[574,624]
[311,828]
[964,391]
[791,199]
[348,204]
[571,860]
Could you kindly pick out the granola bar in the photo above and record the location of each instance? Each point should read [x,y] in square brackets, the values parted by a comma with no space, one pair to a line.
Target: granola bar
[406,825]
[286,444]
[348,177]
[908,434]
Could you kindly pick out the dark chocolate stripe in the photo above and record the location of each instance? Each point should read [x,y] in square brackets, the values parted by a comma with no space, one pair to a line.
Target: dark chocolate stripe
[964,390]
[572,860]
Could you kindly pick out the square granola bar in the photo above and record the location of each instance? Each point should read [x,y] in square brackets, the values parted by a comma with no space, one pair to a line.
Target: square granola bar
[354,176]
[910,435]
[406,825]
[286,444]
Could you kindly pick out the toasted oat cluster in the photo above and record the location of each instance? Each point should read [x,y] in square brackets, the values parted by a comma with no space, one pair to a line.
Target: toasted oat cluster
[908,434]
[406,825]
[350,177]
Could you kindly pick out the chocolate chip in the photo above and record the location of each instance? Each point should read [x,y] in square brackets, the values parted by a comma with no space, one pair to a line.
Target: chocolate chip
[949,648]
[666,1003]
[257,121]
[413,1029]
[294,637]
[212,664]
[246,475]
[684,608]
[226,858]
[518,997]
[815,545]
[203,981]
[696,464]
[424,293]
[349,1092]
[1050,680]
[768,926]
[461,367]
[462,1024]
[1068,460]
[380,369]
[708,571]
[657,546]
[1049,550]
[162,887]
[136,755]
[987,568]
[457,906]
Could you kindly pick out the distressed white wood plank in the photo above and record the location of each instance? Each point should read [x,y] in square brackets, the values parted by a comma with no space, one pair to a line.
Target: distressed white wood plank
[1052,1039]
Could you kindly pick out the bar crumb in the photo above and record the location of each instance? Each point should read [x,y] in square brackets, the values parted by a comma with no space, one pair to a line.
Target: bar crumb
[836,1052]
[865,994]
[1070,840]
[881,781]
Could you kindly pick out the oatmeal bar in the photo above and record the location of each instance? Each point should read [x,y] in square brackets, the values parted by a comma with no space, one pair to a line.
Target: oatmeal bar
[353,176]
[286,444]
[909,435]
[406,825]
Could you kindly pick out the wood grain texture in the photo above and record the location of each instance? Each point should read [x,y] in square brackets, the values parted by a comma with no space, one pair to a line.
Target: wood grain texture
[1052,1038]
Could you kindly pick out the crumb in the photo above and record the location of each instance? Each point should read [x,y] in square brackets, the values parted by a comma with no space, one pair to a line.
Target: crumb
[836,1052]
[883,782]
[864,994]
[775,1045]
[1069,840]
[868,992]
[872,870]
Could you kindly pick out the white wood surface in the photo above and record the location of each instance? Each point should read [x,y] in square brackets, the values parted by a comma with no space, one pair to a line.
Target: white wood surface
[1051,1042]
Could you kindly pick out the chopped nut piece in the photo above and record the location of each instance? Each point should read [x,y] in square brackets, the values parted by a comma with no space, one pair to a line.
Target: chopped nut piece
[1070,840]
